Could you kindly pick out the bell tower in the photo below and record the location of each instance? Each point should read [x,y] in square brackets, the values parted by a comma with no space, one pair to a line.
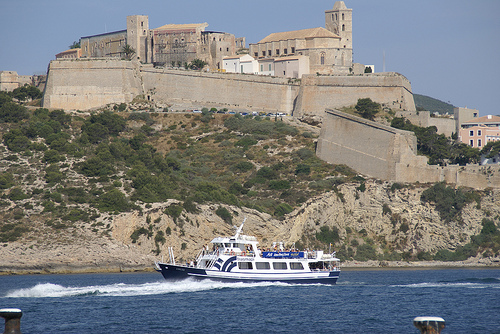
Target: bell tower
[339,21]
[137,32]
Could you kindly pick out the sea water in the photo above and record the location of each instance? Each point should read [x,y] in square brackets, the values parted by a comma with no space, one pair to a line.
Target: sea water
[364,301]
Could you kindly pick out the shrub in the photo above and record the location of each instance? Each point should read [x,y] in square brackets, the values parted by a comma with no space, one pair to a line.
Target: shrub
[279,184]
[386,210]
[448,201]
[17,194]
[267,173]
[174,211]
[304,153]
[16,141]
[327,235]
[6,180]
[365,252]
[282,209]
[160,238]
[367,108]
[114,200]
[224,214]
[138,232]
[244,166]
[302,169]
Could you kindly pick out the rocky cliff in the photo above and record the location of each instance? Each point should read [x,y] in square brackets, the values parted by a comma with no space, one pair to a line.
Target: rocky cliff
[392,221]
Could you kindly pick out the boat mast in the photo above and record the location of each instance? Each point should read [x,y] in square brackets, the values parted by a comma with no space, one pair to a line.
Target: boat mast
[238,231]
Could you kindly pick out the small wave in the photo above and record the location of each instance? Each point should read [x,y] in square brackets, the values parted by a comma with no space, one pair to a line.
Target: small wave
[49,290]
[470,285]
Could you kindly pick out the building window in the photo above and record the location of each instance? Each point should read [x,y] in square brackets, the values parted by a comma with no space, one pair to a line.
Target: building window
[471,142]
[293,49]
[227,49]
[478,132]
[269,53]
[322,58]
[241,68]
[269,67]
[277,52]
[342,16]
[471,133]
[262,68]
[285,51]
[343,27]
[263,53]
[256,54]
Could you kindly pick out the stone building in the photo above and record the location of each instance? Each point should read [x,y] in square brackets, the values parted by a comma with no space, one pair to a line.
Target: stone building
[70,54]
[329,49]
[170,44]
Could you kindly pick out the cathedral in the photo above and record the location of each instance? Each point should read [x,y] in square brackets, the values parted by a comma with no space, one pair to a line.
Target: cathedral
[329,49]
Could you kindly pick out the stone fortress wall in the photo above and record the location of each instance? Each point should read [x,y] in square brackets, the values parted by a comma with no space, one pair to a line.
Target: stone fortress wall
[390,154]
[444,125]
[10,80]
[91,83]
[87,84]
[372,149]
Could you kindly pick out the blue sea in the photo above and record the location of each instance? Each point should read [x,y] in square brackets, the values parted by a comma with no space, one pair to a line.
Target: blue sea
[362,301]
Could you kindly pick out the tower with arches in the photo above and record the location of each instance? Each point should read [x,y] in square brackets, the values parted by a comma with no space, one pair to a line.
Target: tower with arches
[339,21]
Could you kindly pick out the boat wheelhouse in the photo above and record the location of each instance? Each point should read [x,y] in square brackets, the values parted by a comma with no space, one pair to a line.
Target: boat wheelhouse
[239,258]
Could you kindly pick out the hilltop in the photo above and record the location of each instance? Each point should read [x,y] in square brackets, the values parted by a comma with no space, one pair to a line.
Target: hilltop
[111,189]
[423,102]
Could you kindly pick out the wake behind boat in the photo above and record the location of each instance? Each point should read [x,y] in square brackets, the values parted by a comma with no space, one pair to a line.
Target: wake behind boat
[238,258]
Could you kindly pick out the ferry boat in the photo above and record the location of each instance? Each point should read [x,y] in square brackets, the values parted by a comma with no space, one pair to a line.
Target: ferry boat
[238,258]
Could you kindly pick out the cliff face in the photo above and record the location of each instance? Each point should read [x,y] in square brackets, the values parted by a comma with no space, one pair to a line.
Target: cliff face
[391,221]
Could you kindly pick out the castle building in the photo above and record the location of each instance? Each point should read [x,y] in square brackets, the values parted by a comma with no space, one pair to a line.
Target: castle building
[171,44]
[329,49]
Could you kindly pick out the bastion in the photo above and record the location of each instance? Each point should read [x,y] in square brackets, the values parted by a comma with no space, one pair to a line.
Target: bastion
[390,154]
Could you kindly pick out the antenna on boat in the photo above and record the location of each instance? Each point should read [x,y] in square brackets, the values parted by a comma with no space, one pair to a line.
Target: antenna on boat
[238,231]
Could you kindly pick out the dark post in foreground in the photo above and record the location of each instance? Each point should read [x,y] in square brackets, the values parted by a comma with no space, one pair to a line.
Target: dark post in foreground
[429,325]
[12,318]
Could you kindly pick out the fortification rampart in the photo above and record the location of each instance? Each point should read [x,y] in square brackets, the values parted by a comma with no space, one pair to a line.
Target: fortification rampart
[268,94]
[321,92]
[90,83]
[87,84]
[444,125]
[390,154]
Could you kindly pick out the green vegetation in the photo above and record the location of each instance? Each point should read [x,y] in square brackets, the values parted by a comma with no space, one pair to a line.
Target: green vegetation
[449,201]
[437,147]
[367,108]
[423,102]
[487,243]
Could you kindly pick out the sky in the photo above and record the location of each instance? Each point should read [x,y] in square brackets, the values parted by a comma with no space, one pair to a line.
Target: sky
[448,49]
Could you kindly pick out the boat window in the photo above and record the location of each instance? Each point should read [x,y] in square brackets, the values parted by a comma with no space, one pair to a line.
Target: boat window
[227,245]
[262,265]
[296,266]
[245,265]
[279,265]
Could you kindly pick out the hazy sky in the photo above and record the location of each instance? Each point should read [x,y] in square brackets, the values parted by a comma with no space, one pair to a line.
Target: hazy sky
[448,49]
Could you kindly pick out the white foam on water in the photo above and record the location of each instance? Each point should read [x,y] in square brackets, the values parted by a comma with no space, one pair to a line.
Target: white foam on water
[448,285]
[121,289]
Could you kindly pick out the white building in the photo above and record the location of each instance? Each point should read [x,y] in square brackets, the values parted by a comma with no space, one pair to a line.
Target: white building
[240,64]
